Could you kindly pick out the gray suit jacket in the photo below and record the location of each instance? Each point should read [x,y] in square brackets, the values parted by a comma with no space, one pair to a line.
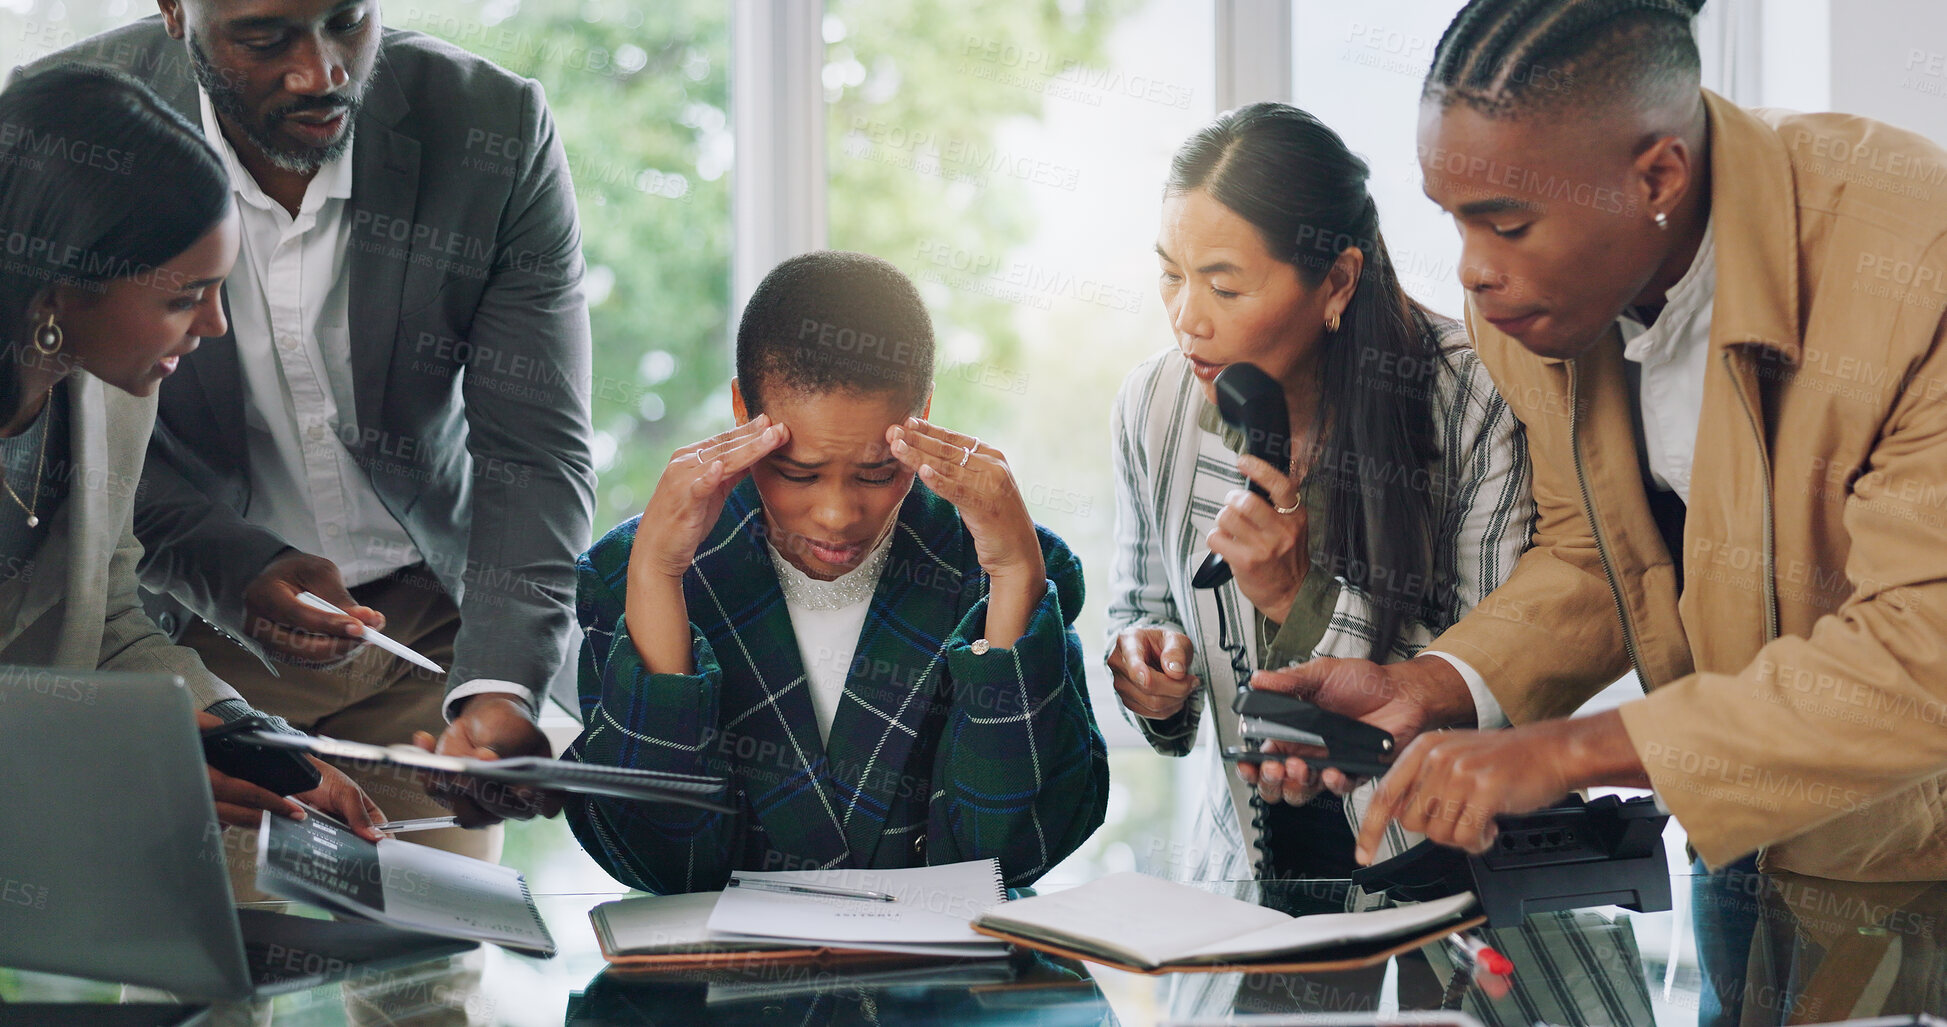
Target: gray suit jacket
[470,359]
[77,606]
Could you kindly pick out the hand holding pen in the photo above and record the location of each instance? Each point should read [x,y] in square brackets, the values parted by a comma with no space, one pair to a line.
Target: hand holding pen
[371,635]
[301,633]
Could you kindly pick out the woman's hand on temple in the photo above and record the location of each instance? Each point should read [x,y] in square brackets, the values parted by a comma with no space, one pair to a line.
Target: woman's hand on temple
[688,499]
[691,492]
[975,478]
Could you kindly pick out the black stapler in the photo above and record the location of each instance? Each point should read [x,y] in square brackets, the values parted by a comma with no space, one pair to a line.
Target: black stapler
[1351,746]
[1605,852]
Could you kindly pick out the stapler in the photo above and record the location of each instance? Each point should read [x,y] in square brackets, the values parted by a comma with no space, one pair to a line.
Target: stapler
[1351,746]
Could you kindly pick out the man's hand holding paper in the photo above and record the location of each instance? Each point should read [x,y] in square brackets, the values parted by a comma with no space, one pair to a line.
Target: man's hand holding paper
[489,726]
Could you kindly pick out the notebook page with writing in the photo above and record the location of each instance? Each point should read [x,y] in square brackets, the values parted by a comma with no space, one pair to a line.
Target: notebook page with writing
[934,905]
[1136,918]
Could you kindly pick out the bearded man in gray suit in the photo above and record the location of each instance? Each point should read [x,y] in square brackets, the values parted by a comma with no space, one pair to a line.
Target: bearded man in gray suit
[398,420]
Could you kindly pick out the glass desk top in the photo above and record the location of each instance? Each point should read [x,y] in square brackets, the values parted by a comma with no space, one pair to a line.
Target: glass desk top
[1778,949]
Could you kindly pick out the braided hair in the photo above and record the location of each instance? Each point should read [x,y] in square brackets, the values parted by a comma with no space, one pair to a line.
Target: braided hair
[1519,58]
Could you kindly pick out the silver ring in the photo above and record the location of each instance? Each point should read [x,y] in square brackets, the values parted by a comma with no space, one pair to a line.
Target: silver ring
[966,455]
[699,457]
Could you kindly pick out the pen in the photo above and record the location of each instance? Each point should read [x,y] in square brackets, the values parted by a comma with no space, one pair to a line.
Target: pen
[372,636]
[422,824]
[814,889]
[1479,953]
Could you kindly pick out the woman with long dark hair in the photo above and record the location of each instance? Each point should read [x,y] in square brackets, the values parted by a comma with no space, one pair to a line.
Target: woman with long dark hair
[1405,499]
[116,231]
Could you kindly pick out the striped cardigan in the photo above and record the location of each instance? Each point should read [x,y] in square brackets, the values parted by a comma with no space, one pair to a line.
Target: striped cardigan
[1175,463]
[936,754]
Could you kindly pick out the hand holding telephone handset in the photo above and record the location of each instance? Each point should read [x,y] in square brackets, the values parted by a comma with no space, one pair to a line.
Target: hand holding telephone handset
[1250,402]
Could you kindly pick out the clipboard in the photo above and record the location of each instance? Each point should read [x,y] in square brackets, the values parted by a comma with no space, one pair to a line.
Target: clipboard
[520,771]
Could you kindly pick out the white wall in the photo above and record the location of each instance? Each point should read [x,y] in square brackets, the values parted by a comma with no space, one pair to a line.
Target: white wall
[1795,53]
[1884,59]
[1889,61]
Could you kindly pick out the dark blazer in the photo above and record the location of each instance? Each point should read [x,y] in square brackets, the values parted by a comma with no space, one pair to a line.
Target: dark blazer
[937,755]
[470,359]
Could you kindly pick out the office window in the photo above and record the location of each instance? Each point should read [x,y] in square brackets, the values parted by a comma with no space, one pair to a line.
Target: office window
[1012,164]
[1358,67]
[640,95]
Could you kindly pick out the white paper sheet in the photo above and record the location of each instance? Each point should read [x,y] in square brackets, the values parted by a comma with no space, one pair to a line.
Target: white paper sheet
[931,916]
[448,893]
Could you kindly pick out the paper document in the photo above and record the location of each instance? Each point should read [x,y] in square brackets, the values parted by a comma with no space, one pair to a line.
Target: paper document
[319,861]
[930,915]
[525,771]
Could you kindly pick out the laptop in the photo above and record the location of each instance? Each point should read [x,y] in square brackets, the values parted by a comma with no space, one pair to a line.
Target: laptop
[111,857]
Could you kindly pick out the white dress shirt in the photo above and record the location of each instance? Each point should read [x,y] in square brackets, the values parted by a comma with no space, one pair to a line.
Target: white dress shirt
[1671,356]
[827,618]
[290,305]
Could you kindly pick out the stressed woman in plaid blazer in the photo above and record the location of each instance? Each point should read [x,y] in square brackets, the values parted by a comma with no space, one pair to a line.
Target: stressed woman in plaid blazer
[883,671]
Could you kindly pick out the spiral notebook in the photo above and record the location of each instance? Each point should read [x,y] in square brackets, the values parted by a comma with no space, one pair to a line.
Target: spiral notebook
[319,861]
[931,914]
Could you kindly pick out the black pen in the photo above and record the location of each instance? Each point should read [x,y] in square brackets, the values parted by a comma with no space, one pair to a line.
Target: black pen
[813,889]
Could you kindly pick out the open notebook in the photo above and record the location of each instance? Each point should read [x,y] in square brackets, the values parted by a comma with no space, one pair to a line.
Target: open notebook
[1149,924]
[929,917]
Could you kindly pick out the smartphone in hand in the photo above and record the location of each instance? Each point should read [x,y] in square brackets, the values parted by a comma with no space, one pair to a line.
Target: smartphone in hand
[278,770]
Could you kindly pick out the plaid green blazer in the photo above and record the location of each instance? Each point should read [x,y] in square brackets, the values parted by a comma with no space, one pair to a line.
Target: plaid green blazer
[936,755]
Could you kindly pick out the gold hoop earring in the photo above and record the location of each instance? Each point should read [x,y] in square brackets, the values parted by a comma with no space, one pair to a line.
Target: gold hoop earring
[48,337]
[1332,326]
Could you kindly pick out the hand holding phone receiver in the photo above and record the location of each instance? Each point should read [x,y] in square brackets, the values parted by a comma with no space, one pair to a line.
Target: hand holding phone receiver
[1250,402]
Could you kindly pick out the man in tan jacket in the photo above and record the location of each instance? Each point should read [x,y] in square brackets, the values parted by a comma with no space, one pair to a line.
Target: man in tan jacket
[1722,329]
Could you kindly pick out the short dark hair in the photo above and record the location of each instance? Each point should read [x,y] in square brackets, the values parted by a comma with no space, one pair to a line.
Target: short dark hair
[99,180]
[832,321]
[1521,58]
